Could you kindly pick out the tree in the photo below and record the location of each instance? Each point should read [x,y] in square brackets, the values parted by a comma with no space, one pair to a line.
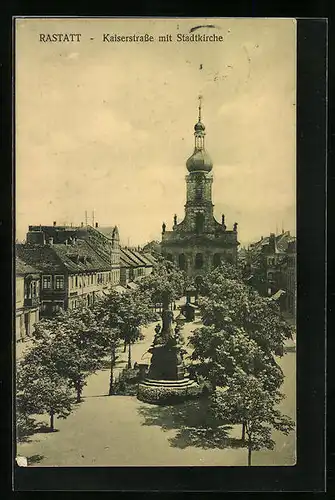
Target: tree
[41,391]
[125,313]
[219,353]
[258,316]
[246,400]
[243,331]
[218,276]
[165,285]
[72,344]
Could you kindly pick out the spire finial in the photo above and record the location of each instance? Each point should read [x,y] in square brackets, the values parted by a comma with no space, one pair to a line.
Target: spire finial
[200,102]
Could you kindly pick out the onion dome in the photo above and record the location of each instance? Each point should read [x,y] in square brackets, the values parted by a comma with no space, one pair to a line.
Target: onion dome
[200,161]
[199,127]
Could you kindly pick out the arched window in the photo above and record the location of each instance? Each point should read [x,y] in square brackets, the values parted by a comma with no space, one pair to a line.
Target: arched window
[182,261]
[169,257]
[199,222]
[199,261]
[216,260]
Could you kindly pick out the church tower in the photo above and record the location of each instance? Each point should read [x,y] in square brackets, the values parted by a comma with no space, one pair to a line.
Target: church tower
[199,243]
[199,206]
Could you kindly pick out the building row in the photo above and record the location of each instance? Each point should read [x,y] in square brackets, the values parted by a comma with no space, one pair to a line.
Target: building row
[60,267]
[270,265]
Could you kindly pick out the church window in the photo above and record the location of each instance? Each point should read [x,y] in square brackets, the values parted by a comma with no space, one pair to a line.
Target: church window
[199,261]
[169,257]
[182,261]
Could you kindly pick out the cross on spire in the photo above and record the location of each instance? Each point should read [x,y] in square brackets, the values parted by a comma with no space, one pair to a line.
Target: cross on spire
[200,102]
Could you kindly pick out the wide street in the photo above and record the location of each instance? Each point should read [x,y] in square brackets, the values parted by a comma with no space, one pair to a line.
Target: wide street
[122,431]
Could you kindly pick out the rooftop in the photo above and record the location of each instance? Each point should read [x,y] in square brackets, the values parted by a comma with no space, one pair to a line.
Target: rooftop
[80,257]
[22,268]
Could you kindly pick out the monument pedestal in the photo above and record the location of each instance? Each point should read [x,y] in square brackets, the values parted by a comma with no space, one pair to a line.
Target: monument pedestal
[167,382]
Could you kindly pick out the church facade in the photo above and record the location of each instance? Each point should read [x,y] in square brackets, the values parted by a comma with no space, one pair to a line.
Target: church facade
[199,243]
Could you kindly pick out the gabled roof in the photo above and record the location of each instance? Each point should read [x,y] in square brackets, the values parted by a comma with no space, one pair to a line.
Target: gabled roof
[130,254]
[101,244]
[257,245]
[141,257]
[283,241]
[150,258]
[125,261]
[43,258]
[80,257]
[107,230]
[21,268]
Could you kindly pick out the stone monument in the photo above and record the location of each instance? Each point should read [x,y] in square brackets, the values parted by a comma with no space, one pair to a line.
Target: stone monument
[167,381]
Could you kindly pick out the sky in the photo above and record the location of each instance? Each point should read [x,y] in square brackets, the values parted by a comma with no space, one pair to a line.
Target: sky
[109,126]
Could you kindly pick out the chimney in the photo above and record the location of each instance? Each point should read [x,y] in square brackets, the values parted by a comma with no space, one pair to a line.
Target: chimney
[96,224]
[55,223]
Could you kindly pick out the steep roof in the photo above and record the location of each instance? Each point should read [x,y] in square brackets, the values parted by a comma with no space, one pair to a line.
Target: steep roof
[150,258]
[141,257]
[100,243]
[131,255]
[80,257]
[107,230]
[43,258]
[125,261]
[283,241]
[153,246]
[21,268]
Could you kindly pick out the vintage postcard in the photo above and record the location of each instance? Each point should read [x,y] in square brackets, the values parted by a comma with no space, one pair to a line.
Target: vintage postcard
[155,253]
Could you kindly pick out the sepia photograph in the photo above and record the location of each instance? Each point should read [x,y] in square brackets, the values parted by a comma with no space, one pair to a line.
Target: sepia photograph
[155,242]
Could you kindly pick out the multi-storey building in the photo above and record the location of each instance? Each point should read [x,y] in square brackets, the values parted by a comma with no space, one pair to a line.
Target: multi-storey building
[135,265]
[199,243]
[289,278]
[27,298]
[76,264]
[271,266]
